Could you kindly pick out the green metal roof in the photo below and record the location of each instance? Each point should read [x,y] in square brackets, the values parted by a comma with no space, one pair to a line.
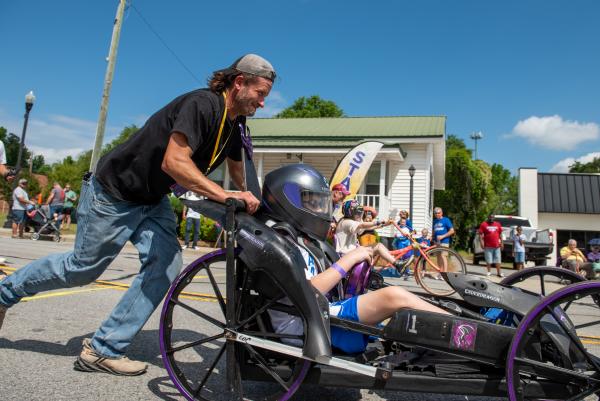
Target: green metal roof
[341,132]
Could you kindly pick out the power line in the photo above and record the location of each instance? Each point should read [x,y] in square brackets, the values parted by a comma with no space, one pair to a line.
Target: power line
[164,43]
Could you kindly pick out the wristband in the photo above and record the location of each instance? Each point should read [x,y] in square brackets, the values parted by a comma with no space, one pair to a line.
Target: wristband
[339,269]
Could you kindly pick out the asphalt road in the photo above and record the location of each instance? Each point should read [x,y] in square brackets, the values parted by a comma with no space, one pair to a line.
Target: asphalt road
[42,336]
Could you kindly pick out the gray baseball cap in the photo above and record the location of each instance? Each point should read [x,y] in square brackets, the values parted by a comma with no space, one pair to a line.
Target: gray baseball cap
[251,64]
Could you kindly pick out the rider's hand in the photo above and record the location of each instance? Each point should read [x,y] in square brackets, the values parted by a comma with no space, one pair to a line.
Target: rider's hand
[252,203]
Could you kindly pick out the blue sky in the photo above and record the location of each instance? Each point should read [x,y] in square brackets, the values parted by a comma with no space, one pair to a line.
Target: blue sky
[525,73]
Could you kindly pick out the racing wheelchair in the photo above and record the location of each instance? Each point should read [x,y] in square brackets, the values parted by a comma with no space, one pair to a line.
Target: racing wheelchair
[224,347]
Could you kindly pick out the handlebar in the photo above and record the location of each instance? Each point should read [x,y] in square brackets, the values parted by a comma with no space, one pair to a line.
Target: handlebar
[237,204]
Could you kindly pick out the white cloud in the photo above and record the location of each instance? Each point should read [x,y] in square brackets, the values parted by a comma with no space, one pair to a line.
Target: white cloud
[274,103]
[57,136]
[552,132]
[563,165]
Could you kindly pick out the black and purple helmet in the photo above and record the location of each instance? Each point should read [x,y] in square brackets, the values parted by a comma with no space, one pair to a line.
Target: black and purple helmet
[299,195]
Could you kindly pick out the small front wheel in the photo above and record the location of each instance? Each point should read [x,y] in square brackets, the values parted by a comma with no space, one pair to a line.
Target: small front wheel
[432,264]
[35,236]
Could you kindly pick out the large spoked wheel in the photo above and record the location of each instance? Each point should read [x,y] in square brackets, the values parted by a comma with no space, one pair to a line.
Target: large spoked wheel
[431,265]
[194,347]
[557,345]
[542,280]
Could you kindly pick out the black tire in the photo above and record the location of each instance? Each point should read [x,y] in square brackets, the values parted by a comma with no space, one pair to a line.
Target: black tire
[556,345]
[542,280]
[427,272]
[196,347]
[35,236]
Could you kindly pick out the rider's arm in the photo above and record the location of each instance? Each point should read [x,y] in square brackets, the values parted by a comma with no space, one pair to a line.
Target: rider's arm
[178,163]
[326,280]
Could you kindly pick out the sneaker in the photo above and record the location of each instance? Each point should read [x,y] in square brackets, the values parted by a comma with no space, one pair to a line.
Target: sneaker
[400,266]
[184,247]
[501,275]
[488,274]
[196,248]
[90,361]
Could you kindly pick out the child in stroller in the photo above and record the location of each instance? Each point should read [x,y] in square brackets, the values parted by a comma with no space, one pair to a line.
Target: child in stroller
[39,222]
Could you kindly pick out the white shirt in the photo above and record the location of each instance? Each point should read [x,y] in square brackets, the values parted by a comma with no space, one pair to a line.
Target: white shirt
[517,244]
[2,154]
[346,234]
[192,214]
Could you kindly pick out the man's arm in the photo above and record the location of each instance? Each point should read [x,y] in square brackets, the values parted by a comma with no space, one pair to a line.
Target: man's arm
[50,197]
[236,171]
[178,163]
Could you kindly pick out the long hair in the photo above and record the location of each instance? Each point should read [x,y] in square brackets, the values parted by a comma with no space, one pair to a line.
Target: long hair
[220,81]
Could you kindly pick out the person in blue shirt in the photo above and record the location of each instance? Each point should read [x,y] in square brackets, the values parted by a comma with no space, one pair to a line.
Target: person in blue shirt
[443,229]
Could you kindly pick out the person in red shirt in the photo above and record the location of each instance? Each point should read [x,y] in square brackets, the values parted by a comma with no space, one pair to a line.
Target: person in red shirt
[490,235]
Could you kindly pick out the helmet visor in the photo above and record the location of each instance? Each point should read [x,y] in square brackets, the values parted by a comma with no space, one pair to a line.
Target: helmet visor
[318,202]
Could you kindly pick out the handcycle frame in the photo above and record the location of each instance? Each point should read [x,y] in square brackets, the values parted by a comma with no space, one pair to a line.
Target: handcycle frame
[409,328]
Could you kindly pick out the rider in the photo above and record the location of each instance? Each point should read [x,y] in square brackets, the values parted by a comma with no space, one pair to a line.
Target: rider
[352,225]
[298,194]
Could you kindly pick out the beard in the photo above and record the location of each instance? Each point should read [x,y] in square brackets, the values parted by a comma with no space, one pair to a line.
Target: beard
[246,105]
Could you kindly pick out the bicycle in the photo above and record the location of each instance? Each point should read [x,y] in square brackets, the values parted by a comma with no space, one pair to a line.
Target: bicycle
[431,265]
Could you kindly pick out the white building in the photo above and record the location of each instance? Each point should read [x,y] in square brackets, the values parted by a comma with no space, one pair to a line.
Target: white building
[567,203]
[323,142]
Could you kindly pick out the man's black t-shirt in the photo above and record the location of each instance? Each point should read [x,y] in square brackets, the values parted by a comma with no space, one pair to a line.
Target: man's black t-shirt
[132,171]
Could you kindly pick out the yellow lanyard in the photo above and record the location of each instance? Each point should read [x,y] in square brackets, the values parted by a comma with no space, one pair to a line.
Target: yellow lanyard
[215,154]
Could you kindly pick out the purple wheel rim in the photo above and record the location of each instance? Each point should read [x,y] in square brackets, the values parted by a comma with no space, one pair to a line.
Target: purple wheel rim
[531,315]
[163,351]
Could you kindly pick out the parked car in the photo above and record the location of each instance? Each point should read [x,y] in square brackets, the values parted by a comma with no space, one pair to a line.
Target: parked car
[538,243]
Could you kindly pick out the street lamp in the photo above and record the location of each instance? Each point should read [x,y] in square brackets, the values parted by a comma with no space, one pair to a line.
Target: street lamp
[411,173]
[476,136]
[29,100]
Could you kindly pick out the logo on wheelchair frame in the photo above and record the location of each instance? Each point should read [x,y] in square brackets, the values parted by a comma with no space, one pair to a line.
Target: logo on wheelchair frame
[463,336]
[243,338]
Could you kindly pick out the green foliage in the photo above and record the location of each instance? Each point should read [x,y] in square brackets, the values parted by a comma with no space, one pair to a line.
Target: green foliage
[311,107]
[209,229]
[473,190]
[591,167]
[33,187]
[123,136]
[11,146]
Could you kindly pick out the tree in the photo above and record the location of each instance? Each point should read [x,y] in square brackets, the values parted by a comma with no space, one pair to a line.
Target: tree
[311,107]
[11,146]
[591,167]
[473,190]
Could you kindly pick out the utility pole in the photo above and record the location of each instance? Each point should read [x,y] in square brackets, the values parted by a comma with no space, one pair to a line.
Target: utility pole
[110,69]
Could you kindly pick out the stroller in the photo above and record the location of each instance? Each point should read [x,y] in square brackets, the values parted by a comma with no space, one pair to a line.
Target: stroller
[41,224]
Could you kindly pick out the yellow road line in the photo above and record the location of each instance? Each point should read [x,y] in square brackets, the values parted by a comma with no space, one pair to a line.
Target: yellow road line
[63,293]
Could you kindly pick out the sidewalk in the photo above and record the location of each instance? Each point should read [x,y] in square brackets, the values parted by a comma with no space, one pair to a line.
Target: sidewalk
[70,238]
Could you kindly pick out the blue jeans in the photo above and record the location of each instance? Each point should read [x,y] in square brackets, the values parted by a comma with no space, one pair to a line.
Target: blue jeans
[195,225]
[105,225]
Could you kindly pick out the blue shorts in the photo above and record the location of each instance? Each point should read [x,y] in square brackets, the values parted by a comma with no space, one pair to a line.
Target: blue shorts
[348,341]
[492,255]
[18,216]
[519,257]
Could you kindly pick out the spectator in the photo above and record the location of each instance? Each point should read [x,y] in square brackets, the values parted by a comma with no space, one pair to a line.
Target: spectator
[70,198]
[4,171]
[368,236]
[443,229]
[572,258]
[424,239]
[407,221]
[352,225]
[490,235]
[594,255]
[126,200]
[20,201]
[338,194]
[519,248]
[402,240]
[192,223]
[56,201]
